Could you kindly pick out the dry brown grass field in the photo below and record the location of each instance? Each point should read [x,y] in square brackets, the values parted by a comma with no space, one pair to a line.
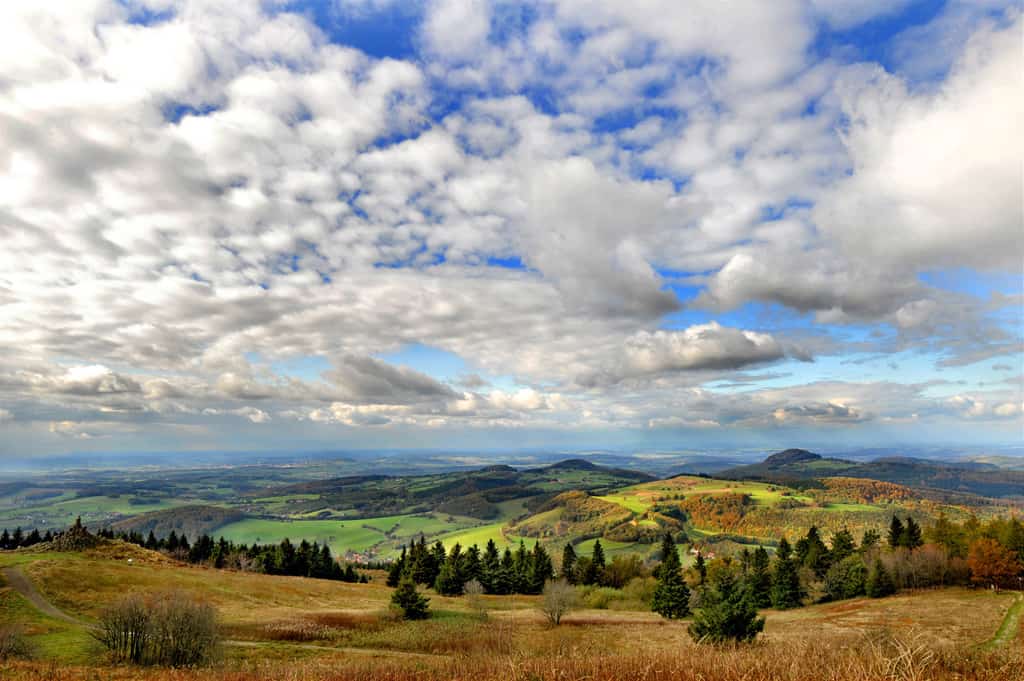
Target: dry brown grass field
[298,629]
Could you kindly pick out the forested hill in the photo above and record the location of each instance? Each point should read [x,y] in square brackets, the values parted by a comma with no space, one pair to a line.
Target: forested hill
[794,465]
[470,493]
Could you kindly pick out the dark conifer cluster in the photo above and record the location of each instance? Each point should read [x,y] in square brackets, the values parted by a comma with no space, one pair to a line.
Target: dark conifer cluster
[18,539]
[523,571]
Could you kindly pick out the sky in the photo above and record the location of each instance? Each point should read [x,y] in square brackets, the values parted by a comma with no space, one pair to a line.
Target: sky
[245,224]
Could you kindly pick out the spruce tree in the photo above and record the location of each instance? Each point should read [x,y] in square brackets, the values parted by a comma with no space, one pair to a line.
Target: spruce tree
[812,553]
[728,613]
[701,568]
[541,569]
[671,596]
[448,582]
[490,564]
[843,545]
[879,582]
[595,569]
[471,565]
[413,605]
[869,540]
[786,592]
[895,533]
[568,563]
[760,578]
[911,534]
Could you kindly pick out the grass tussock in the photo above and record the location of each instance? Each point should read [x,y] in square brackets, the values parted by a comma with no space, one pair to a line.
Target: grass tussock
[880,656]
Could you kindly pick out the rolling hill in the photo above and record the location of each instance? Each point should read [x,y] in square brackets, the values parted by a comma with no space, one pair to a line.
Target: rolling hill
[958,481]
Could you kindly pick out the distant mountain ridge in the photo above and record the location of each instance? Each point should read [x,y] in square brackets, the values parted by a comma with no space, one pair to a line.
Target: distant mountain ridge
[793,465]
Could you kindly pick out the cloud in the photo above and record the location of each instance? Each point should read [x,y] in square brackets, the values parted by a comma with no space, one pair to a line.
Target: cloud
[370,380]
[196,205]
[93,380]
[704,346]
[6,415]
[936,178]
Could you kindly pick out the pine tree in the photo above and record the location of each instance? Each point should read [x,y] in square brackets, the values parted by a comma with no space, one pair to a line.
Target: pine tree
[413,605]
[869,540]
[911,534]
[879,582]
[895,533]
[490,564]
[701,568]
[843,545]
[541,569]
[812,553]
[396,570]
[760,578]
[568,563]
[595,569]
[471,565]
[786,591]
[448,582]
[671,596]
[5,540]
[728,613]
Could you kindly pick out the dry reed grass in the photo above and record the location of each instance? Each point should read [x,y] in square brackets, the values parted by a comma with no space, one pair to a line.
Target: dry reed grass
[880,656]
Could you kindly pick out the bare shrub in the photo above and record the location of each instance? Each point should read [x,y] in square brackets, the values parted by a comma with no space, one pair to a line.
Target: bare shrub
[559,598]
[168,629]
[183,632]
[124,629]
[474,592]
[12,643]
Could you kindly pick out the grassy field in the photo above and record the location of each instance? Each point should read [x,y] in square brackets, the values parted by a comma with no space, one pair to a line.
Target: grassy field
[294,628]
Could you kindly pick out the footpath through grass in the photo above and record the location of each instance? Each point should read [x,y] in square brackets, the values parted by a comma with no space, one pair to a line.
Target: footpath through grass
[1010,628]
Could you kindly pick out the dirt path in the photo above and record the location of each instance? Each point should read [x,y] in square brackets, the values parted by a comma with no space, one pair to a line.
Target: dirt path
[1010,626]
[18,581]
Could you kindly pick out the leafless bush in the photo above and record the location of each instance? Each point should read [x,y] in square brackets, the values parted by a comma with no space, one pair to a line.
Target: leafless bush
[183,633]
[474,592]
[124,629]
[559,598]
[168,629]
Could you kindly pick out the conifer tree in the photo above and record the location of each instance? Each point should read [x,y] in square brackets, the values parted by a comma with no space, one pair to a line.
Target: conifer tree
[567,572]
[895,533]
[413,605]
[760,578]
[727,614]
[701,568]
[812,553]
[786,591]
[879,583]
[843,545]
[911,537]
[541,569]
[490,564]
[671,596]
[471,567]
[448,582]
[595,568]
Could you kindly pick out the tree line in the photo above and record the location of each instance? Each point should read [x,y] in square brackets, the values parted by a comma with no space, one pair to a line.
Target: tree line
[298,560]
[990,555]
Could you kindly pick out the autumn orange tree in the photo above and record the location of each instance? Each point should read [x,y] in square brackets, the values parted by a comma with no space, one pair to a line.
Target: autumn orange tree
[992,564]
